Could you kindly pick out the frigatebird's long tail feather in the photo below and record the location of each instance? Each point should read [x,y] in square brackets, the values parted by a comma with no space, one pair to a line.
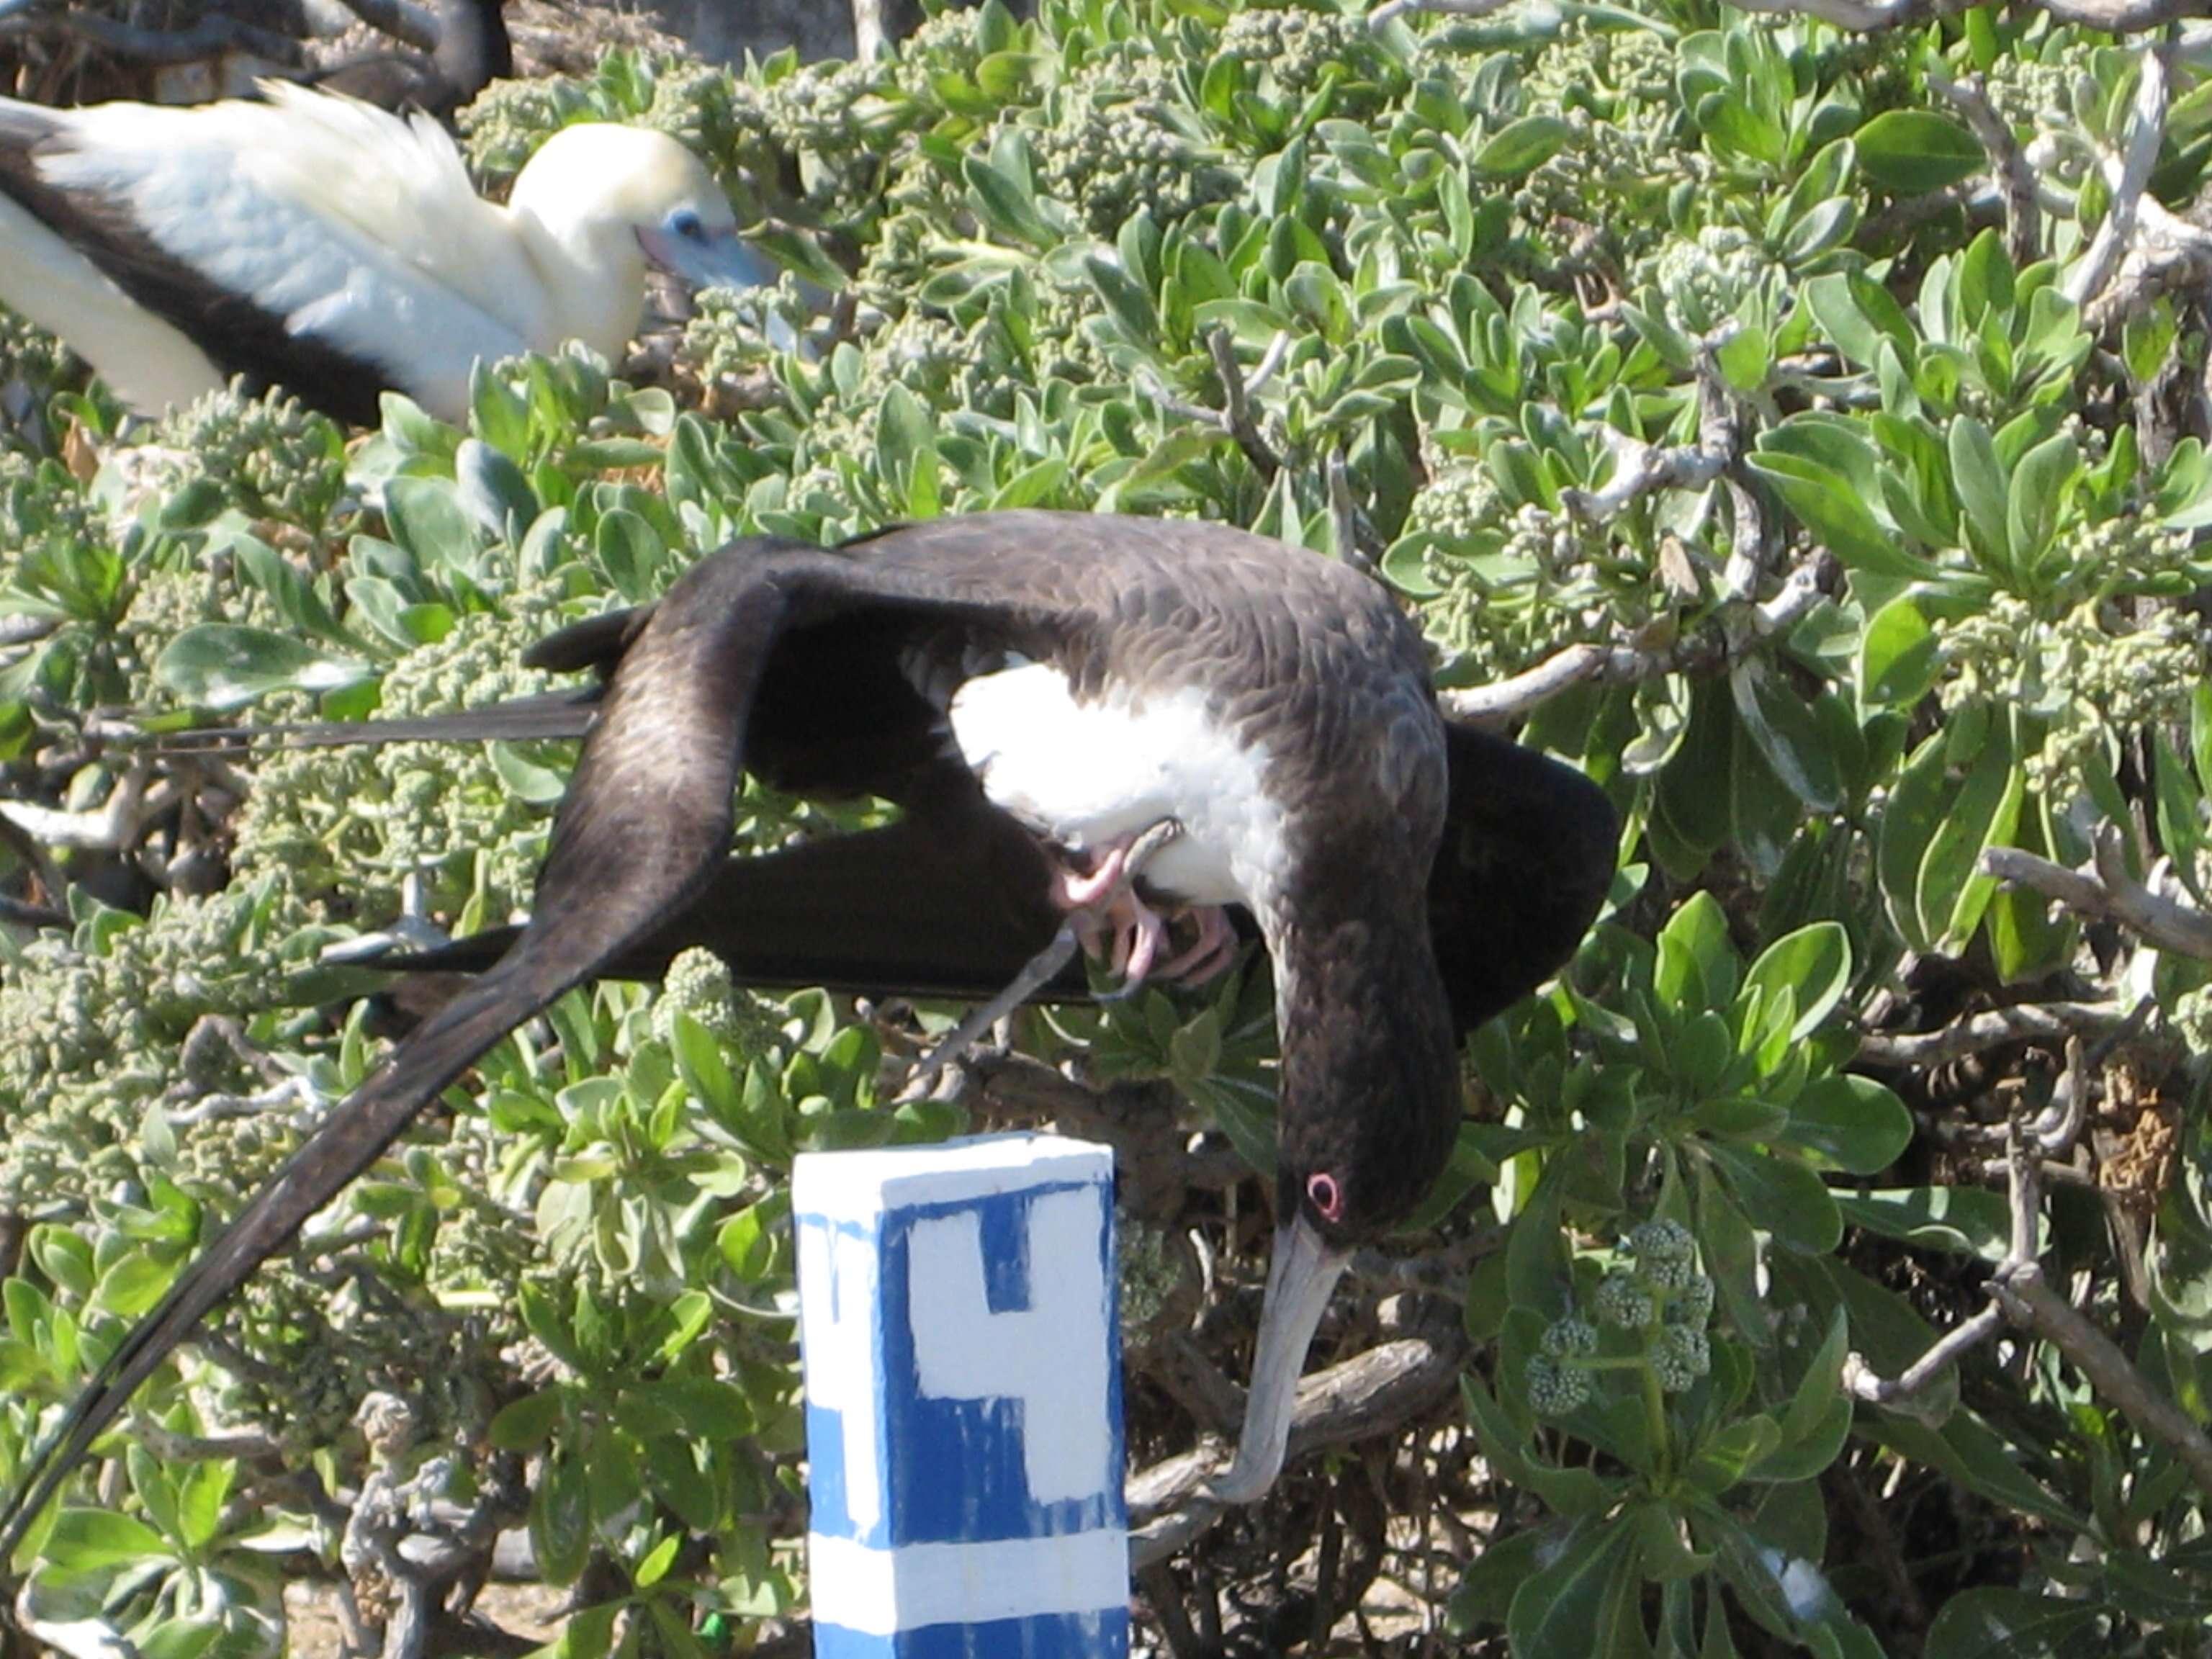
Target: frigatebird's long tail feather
[349,1141]
[554,715]
[671,730]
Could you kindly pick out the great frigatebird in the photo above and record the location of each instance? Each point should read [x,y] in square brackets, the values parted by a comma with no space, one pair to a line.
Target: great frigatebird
[316,243]
[1030,688]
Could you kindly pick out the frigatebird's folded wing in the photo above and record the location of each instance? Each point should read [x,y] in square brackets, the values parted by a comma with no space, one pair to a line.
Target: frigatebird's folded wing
[1526,860]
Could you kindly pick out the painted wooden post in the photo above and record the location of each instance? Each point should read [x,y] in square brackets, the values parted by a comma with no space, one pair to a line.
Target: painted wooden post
[963,1401]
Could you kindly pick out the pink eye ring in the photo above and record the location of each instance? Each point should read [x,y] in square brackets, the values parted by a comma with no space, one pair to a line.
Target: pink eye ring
[1326,1196]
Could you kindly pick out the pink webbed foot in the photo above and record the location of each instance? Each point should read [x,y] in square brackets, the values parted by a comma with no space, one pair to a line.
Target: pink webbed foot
[1207,956]
[1113,922]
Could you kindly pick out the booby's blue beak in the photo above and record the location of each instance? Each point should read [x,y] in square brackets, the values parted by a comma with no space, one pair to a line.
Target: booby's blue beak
[703,255]
[1301,1278]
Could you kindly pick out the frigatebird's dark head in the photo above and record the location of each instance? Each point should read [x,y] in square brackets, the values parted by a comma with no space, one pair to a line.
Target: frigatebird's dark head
[1368,1105]
[1376,982]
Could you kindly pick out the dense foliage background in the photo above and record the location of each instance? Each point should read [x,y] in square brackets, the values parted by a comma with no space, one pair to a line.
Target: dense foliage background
[1798,424]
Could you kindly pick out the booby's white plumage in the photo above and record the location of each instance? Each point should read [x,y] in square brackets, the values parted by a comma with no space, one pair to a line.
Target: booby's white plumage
[322,244]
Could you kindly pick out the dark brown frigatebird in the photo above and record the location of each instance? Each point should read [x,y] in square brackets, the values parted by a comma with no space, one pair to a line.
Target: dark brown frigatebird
[1033,689]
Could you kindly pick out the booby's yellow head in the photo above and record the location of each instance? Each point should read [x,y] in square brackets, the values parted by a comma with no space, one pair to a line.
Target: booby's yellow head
[614,196]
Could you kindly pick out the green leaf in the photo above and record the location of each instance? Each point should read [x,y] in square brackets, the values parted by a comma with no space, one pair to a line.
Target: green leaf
[226,666]
[1696,965]
[1571,1490]
[132,1285]
[527,1424]
[96,1540]
[428,520]
[1486,1588]
[1979,479]
[1850,1123]
[1005,203]
[1911,151]
[1838,518]
[1586,1601]
[1914,815]
[1522,147]
[203,1487]
[1783,1197]
[1993,1623]
[1745,356]
[1815,963]
[492,491]
[1725,1455]
[2042,484]
[1126,300]
[1860,316]
[1781,723]
[1818,1414]
[1952,892]
[1965,1220]
[1899,656]
[657,1560]
[904,434]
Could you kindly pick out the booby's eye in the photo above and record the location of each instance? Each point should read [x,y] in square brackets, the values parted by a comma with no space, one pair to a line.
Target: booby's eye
[1326,1196]
[688,225]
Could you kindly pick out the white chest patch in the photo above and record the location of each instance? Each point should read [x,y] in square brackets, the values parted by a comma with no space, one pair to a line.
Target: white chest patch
[1083,773]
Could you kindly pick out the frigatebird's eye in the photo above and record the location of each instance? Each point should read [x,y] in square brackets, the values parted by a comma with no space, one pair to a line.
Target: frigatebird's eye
[1326,1196]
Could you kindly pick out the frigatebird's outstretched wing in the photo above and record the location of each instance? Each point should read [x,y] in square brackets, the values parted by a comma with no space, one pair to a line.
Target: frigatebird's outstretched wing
[824,647]
[669,732]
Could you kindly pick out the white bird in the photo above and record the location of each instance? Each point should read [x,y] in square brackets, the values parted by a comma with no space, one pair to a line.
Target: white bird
[314,242]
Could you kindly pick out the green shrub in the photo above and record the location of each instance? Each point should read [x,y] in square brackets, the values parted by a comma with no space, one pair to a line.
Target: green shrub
[1676,366]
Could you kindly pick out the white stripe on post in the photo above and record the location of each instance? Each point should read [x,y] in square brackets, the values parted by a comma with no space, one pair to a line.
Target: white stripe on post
[964,1401]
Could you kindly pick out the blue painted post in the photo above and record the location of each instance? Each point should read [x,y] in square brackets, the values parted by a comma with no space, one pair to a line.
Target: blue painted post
[963,1401]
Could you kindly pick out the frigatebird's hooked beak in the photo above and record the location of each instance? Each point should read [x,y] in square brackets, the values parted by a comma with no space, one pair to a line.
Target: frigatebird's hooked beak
[1301,1278]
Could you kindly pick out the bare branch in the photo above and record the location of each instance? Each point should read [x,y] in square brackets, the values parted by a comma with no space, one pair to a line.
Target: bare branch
[418,26]
[1866,16]
[1375,1392]
[2111,894]
[2016,179]
[111,828]
[1620,664]
[1357,544]
[1236,390]
[2146,130]
[1234,417]
[2048,1022]
[1861,1382]
[2019,1292]
[1643,468]
[213,34]
[173,1448]
[2122,16]
[2029,1301]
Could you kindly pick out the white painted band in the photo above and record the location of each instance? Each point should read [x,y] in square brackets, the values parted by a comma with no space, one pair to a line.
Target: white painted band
[881,1592]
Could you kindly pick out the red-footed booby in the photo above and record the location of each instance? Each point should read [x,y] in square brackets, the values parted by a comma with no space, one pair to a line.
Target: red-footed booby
[316,243]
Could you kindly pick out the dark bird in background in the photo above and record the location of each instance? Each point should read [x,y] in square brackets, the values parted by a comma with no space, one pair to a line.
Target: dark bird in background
[472,52]
[1040,693]
[312,242]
